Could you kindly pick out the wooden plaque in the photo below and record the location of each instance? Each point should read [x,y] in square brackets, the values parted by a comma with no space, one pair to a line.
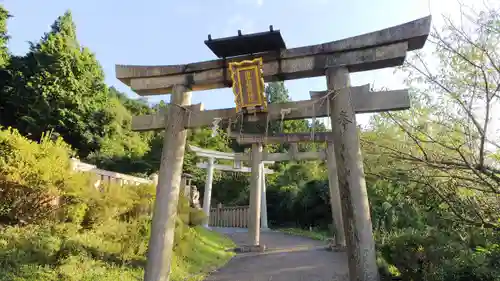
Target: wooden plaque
[248,85]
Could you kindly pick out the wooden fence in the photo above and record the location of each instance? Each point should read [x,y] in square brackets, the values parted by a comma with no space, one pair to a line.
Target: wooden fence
[229,216]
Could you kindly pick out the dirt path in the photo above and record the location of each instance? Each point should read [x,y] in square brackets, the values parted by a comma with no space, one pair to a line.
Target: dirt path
[289,258]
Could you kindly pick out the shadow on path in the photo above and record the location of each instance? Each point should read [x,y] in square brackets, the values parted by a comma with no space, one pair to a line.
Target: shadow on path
[288,258]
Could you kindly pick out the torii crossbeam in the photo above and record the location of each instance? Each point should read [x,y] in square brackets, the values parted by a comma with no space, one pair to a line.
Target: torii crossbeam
[374,50]
[364,100]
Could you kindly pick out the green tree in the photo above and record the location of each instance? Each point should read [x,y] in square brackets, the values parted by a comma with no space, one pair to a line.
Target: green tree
[121,149]
[276,92]
[447,142]
[59,86]
[4,53]
[432,171]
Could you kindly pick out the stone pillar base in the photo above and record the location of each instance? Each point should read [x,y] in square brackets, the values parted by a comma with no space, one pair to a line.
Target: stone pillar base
[332,246]
[250,249]
[336,248]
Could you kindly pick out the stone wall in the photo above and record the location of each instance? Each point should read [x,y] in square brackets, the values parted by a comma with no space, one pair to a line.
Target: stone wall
[107,177]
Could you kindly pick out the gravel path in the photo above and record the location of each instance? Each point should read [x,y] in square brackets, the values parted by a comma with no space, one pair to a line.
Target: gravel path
[288,258]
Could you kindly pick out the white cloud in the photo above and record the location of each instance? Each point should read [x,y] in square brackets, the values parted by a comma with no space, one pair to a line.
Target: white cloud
[260,3]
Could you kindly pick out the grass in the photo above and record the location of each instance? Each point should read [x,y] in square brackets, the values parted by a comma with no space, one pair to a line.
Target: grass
[201,252]
[314,234]
[37,253]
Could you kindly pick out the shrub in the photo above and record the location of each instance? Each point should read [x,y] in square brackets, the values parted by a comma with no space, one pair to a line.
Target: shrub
[88,234]
[183,209]
[431,254]
[280,205]
[312,205]
[114,202]
[32,177]
[197,217]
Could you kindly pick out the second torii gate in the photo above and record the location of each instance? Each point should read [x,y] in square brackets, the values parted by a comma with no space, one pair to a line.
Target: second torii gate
[210,166]
[294,155]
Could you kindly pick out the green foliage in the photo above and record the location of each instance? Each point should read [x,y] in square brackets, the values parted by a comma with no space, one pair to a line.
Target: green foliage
[4,53]
[433,170]
[197,217]
[95,234]
[431,254]
[312,205]
[114,240]
[33,177]
[115,251]
[276,92]
[58,86]
[314,234]
[183,209]
[427,169]
[204,251]
[125,151]
[281,205]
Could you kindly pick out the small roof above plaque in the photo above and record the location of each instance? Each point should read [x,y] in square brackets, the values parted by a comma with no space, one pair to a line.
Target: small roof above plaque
[246,44]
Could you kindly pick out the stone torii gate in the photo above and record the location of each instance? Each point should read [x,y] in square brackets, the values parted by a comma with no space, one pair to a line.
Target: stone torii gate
[294,155]
[335,60]
[210,166]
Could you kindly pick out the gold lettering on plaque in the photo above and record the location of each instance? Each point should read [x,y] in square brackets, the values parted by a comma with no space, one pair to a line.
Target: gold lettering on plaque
[248,85]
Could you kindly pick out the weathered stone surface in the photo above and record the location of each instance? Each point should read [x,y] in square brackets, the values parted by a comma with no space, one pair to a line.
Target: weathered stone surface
[219,167]
[279,157]
[250,248]
[167,192]
[195,197]
[335,202]
[282,138]
[274,70]
[414,33]
[333,246]
[364,101]
[352,185]
[255,196]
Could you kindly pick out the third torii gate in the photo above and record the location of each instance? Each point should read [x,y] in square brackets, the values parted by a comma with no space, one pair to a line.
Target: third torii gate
[210,166]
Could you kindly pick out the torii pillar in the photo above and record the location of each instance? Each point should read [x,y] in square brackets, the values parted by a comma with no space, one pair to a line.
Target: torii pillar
[255,195]
[168,188]
[207,195]
[263,200]
[352,185]
[335,202]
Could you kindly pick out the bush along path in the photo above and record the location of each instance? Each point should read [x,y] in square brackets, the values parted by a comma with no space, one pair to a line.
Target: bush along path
[54,226]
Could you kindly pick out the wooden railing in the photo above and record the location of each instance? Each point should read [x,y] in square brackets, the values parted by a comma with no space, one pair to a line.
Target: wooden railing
[229,216]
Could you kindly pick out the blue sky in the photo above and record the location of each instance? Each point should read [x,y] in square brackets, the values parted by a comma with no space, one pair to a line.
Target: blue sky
[154,32]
